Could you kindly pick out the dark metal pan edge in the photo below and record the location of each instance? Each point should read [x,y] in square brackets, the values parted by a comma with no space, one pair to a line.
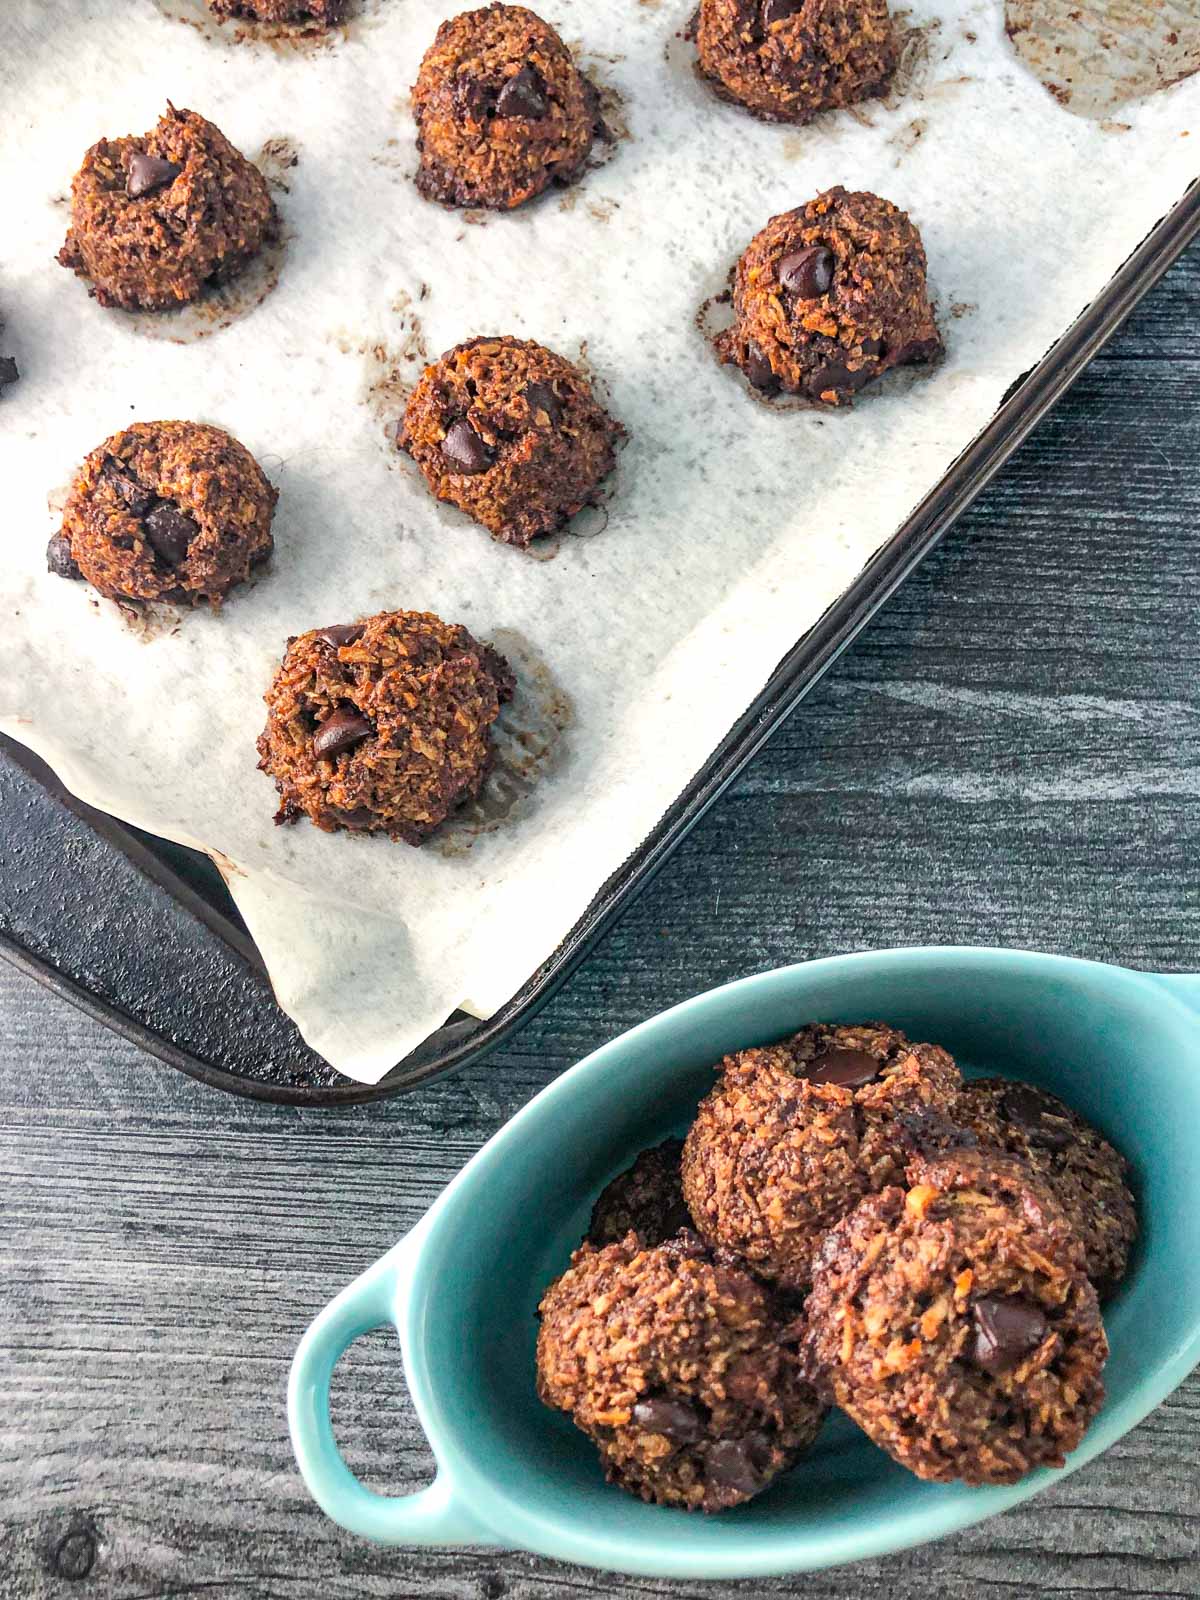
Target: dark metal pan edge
[803,665]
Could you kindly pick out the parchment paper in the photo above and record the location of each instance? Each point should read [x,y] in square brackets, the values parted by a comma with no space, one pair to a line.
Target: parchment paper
[731,527]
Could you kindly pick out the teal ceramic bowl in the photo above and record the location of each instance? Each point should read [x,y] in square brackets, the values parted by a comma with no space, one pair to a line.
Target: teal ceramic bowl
[461,1289]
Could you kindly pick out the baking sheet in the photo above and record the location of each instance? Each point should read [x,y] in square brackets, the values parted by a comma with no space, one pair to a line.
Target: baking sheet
[731,527]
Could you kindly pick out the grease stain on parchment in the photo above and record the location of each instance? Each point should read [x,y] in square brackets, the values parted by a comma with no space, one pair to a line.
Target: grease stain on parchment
[530,742]
[1096,55]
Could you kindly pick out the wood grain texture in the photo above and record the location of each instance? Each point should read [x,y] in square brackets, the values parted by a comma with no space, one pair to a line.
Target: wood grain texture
[1010,754]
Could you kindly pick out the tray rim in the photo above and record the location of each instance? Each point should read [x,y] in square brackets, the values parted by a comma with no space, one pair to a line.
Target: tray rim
[1022,407]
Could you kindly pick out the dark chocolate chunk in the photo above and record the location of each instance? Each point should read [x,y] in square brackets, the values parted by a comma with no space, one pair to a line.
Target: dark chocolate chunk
[873,347]
[541,397]
[464,449]
[147,173]
[730,1462]
[342,731]
[523,96]
[340,633]
[8,371]
[1006,1330]
[138,500]
[169,531]
[357,820]
[774,11]
[849,1069]
[473,99]
[758,371]
[58,558]
[1023,1106]
[837,376]
[807,273]
[672,1418]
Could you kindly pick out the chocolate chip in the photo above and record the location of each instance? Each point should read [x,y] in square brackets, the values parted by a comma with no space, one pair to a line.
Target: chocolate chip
[523,96]
[541,397]
[147,173]
[807,273]
[8,371]
[873,347]
[473,99]
[672,1418]
[730,1462]
[59,560]
[849,1069]
[169,531]
[1006,1330]
[357,820]
[758,371]
[341,633]
[464,449]
[1025,1108]
[138,500]
[342,731]
[836,376]
[774,11]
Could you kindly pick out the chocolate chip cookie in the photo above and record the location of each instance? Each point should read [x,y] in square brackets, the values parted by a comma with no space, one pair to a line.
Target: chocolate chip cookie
[795,1134]
[166,511]
[156,219]
[501,110]
[787,60]
[322,13]
[382,725]
[1087,1177]
[646,1199]
[511,434]
[828,297]
[953,1320]
[677,1364]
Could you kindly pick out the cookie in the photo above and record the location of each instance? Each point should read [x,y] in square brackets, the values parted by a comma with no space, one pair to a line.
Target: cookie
[156,219]
[795,1134]
[322,13]
[828,297]
[953,1321]
[646,1199]
[1086,1175]
[501,110]
[511,434]
[787,60]
[677,1366]
[382,725]
[166,511]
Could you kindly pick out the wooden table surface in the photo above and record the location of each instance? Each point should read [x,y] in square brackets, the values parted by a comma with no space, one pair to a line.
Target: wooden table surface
[1010,755]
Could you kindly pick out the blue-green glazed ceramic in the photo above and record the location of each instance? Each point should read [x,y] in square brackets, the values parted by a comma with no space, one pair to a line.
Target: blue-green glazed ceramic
[1123,1047]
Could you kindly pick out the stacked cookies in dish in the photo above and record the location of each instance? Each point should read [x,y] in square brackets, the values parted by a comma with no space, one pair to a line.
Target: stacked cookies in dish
[846,1222]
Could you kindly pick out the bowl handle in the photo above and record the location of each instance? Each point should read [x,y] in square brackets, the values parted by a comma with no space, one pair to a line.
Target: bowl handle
[430,1516]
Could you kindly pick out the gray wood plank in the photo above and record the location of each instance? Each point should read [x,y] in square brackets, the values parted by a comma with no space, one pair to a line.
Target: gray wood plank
[1009,754]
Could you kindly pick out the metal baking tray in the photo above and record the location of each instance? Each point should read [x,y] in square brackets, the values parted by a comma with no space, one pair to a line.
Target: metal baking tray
[142,935]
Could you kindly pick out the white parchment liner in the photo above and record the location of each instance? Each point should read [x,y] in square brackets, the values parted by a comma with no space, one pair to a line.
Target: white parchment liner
[731,529]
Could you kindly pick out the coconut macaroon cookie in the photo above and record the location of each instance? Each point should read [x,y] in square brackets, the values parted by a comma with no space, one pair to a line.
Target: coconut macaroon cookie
[321,13]
[953,1321]
[511,434]
[830,296]
[166,511]
[1086,1175]
[382,725]
[501,110]
[155,219]
[796,1133]
[677,1365]
[646,1199]
[787,60]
